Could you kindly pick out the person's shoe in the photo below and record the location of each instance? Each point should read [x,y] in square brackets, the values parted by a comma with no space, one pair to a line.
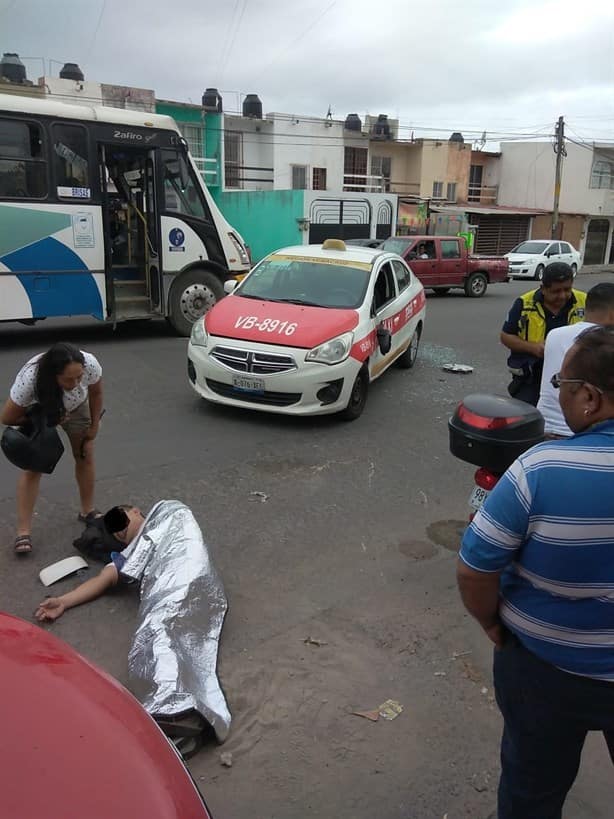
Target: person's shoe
[93,515]
[23,545]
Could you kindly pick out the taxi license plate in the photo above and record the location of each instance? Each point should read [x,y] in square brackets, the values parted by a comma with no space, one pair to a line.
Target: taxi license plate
[244,384]
[477,498]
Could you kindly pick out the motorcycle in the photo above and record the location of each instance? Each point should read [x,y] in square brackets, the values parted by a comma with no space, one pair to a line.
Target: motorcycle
[490,432]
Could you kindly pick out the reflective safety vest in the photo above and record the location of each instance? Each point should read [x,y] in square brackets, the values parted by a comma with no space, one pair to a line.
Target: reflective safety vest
[532,323]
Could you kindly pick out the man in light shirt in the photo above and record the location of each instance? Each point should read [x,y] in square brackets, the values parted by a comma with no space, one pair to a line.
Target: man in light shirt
[599,310]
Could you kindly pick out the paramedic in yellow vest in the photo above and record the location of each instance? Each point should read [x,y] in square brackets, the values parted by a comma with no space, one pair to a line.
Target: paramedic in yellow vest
[533,315]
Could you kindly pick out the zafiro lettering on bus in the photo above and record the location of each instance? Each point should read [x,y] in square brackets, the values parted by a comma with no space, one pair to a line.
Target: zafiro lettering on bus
[131,135]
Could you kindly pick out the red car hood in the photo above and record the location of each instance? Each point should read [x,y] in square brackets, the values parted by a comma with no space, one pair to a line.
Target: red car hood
[75,743]
[298,326]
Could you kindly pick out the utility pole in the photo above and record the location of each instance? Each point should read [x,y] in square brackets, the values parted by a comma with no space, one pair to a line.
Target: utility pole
[559,150]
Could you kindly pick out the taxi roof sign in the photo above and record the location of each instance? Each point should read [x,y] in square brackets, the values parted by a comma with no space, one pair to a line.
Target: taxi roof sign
[333,244]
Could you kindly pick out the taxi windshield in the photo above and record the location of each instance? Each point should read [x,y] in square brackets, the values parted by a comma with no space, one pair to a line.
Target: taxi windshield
[313,282]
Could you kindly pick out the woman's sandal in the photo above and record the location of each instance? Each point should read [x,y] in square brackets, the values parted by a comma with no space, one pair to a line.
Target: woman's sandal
[90,517]
[23,545]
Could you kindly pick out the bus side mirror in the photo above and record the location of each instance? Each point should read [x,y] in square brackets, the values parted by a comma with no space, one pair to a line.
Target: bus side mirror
[229,285]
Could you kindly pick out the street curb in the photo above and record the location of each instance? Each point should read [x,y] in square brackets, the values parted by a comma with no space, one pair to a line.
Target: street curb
[592,269]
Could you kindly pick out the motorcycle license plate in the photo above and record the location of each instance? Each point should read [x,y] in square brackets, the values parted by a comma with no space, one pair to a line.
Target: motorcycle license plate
[477,498]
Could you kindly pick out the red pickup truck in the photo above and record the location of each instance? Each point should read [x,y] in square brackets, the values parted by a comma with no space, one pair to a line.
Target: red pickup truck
[442,262]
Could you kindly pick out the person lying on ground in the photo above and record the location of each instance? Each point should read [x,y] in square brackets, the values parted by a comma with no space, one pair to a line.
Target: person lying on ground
[173,656]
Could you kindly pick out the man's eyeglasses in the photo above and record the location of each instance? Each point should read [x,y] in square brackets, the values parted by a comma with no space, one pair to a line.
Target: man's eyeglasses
[556,382]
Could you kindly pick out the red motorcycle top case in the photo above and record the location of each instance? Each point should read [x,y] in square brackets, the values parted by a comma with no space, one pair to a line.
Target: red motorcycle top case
[268,322]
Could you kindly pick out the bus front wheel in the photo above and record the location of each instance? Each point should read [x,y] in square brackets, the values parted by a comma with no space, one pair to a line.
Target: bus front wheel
[193,294]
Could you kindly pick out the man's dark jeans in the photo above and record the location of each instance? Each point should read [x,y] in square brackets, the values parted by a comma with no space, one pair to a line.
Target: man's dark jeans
[547,714]
[525,388]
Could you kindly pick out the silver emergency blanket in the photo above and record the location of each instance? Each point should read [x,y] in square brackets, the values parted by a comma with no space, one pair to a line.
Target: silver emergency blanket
[173,656]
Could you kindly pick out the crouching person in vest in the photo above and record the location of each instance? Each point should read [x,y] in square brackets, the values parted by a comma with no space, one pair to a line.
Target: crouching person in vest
[533,315]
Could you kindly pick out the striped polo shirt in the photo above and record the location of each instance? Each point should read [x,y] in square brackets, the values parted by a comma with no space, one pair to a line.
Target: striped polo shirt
[548,527]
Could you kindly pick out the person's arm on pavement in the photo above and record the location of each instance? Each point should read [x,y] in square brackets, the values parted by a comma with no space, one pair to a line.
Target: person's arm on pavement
[53,607]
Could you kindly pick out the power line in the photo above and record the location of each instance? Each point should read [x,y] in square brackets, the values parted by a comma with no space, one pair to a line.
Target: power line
[91,46]
[331,139]
[232,42]
[300,37]
[230,35]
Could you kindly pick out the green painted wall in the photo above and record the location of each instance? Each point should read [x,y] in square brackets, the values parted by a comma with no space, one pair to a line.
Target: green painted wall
[180,113]
[265,219]
[186,115]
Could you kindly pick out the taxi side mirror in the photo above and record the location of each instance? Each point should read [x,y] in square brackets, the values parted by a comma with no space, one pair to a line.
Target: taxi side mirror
[384,339]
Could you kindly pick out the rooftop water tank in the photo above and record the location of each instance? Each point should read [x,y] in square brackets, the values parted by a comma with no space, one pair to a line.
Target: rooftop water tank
[353,123]
[457,137]
[212,101]
[71,71]
[11,68]
[381,129]
[252,107]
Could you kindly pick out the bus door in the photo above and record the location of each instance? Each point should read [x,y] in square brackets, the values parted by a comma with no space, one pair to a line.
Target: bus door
[131,231]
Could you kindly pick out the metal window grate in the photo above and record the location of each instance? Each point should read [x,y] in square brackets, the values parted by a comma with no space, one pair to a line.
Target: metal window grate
[233,158]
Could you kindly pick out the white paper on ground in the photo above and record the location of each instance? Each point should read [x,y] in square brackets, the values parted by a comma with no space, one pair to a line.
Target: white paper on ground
[57,571]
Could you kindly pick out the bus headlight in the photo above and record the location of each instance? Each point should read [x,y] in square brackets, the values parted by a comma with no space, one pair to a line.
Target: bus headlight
[240,248]
[199,336]
[332,352]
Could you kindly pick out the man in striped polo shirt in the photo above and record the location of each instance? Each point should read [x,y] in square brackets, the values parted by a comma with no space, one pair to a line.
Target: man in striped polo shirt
[536,569]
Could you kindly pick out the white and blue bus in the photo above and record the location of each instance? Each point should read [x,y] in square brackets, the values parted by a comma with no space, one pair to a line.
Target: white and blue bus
[103,213]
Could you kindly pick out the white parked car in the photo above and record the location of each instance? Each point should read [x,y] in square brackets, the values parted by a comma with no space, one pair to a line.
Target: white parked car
[529,259]
[307,331]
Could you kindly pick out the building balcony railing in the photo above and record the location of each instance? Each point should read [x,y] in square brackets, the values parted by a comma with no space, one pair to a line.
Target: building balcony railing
[408,189]
[236,176]
[483,194]
[208,169]
[365,183]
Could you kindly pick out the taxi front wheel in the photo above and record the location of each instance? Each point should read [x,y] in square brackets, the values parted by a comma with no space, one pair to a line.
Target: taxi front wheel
[358,397]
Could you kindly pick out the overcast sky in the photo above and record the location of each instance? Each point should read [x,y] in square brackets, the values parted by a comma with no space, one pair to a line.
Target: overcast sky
[475,65]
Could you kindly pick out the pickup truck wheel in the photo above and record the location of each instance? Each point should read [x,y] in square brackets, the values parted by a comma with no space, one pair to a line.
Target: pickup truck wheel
[193,293]
[441,291]
[358,397]
[476,285]
[539,273]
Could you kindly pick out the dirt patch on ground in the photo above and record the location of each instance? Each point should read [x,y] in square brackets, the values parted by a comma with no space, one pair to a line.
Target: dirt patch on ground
[447,533]
[417,549]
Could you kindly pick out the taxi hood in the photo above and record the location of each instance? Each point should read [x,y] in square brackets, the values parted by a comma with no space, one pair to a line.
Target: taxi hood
[270,322]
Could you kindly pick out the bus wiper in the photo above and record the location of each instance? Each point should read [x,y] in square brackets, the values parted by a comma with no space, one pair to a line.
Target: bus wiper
[249,296]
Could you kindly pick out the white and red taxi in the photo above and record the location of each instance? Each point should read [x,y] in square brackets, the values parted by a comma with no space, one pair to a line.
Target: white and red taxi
[307,331]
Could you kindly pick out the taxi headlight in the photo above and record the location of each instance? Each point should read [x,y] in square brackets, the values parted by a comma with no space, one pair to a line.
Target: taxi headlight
[332,352]
[199,337]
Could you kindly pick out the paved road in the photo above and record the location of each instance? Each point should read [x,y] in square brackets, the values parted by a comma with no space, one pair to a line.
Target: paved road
[353,549]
